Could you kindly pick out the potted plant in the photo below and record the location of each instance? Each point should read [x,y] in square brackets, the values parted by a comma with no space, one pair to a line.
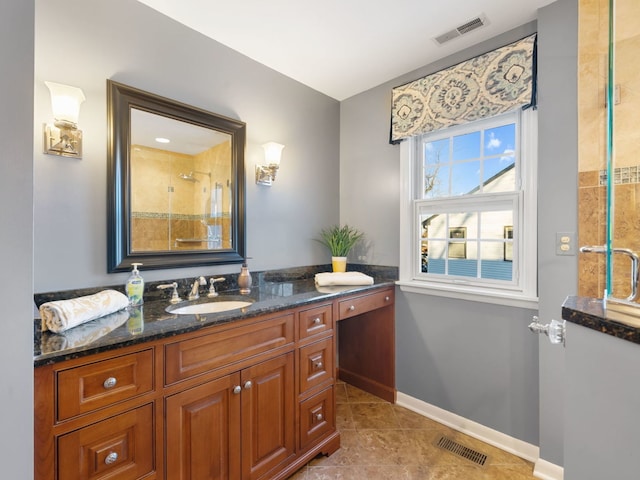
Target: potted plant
[340,240]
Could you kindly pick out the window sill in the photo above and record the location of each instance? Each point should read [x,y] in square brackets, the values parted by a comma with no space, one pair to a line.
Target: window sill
[504,297]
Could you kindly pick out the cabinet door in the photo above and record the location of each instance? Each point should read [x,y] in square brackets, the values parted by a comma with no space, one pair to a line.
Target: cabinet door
[268,416]
[202,433]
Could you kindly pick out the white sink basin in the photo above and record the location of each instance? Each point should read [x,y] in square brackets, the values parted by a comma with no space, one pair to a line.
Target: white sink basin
[210,307]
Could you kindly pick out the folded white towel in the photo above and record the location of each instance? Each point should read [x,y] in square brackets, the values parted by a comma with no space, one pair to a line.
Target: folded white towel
[325,279]
[62,315]
[84,334]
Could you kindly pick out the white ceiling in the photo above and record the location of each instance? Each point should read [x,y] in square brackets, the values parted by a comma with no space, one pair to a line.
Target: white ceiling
[344,47]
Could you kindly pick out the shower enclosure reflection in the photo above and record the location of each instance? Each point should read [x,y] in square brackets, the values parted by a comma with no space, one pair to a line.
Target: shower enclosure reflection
[180,184]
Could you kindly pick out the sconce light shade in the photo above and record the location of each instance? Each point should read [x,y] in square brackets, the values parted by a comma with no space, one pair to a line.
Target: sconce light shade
[63,137]
[266,174]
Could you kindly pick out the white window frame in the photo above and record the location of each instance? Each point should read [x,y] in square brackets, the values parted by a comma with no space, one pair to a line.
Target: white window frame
[522,292]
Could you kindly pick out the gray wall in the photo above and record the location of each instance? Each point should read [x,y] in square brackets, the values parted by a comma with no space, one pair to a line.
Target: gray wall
[603,429]
[126,41]
[557,201]
[478,360]
[16,257]
[474,359]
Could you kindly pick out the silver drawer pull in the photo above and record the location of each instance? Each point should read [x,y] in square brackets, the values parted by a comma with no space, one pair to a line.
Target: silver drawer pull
[248,385]
[352,308]
[386,299]
[319,365]
[316,320]
[111,458]
[318,416]
[110,383]
[237,389]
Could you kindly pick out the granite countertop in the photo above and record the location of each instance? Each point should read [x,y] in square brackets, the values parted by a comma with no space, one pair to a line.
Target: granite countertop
[591,313]
[151,321]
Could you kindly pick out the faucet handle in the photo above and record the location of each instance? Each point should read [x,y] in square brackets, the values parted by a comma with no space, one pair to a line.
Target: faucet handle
[175,298]
[212,288]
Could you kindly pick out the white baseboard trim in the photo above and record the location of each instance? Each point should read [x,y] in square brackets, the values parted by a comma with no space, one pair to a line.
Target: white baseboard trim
[529,452]
[547,470]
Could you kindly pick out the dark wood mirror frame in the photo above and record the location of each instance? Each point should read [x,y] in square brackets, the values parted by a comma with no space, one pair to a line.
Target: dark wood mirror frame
[120,100]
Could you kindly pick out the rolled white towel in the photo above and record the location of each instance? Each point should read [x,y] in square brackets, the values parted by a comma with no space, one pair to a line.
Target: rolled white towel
[62,315]
[325,279]
[84,334]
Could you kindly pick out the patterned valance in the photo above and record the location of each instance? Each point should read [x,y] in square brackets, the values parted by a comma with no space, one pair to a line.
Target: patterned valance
[496,82]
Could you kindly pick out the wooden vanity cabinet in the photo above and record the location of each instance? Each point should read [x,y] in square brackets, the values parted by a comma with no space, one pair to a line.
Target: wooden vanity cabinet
[251,411]
[366,342]
[247,400]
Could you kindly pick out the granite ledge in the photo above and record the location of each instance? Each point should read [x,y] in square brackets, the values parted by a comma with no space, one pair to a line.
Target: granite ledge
[591,313]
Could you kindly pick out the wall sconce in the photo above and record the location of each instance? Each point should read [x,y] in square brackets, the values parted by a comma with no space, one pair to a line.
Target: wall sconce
[63,138]
[266,174]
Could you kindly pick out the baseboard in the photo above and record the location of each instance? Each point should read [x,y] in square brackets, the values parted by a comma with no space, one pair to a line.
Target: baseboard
[525,450]
[547,470]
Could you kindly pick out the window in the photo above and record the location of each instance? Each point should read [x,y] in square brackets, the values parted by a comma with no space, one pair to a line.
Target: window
[468,226]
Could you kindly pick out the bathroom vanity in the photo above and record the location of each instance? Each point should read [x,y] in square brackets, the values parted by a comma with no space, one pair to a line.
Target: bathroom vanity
[245,394]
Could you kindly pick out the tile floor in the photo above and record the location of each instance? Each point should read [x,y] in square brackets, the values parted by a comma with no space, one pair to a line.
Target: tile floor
[380,440]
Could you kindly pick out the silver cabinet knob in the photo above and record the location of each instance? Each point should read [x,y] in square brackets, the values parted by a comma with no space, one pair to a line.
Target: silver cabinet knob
[111,458]
[319,365]
[237,389]
[316,321]
[248,385]
[386,299]
[352,308]
[110,382]
[318,416]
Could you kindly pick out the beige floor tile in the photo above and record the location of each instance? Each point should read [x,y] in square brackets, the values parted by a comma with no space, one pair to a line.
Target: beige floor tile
[380,441]
[356,395]
[373,415]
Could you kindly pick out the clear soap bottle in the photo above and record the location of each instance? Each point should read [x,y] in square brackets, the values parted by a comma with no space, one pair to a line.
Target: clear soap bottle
[135,287]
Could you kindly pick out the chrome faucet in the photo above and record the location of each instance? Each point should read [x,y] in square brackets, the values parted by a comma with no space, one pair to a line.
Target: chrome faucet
[194,294]
[212,288]
[175,298]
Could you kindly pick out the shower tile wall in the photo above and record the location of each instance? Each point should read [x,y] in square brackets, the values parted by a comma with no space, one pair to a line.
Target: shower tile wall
[593,50]
[166,207]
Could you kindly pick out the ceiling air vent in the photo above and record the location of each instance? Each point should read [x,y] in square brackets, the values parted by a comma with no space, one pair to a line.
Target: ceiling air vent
[479,21]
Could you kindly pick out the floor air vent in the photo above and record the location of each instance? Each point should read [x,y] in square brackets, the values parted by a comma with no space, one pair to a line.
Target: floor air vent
[467,27]
[462,451]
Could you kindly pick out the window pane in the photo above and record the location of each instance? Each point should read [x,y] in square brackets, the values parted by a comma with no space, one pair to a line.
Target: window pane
[475,244]
[436,258]
[497,234]
[436,181]
[499,174]
[465,178]
[466,146]
[500,140]
[436,152]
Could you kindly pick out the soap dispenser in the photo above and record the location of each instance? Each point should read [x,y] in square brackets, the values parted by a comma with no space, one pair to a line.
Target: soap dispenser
[135,286]
[244,279]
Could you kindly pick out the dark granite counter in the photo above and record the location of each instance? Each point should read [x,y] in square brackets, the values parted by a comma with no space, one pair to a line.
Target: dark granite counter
[272,293]
[591,313]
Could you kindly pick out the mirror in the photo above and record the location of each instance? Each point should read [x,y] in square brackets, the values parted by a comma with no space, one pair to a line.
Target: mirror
[175,183]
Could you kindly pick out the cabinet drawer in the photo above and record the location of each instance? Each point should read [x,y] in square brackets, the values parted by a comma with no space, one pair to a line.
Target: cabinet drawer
[365,303]
[206,353]
[316,364]
[96,385]
[317,417]
[315,321]
[120,447]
